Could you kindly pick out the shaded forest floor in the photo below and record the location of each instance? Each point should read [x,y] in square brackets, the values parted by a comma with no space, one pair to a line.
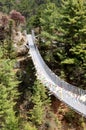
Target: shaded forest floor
[67,118]
[58,117]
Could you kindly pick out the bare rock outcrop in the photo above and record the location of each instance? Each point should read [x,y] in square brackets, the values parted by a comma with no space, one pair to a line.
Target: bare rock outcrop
[20,40]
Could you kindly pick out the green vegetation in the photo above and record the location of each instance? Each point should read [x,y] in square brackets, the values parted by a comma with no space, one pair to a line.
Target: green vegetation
[29,126]
[40,101]
[8,89]
[60,27]
[72,28]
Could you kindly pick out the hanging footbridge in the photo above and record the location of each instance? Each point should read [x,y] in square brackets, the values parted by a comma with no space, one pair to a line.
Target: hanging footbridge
[73,96]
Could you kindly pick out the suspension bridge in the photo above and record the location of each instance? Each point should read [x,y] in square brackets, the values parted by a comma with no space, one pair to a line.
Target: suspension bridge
[71,95]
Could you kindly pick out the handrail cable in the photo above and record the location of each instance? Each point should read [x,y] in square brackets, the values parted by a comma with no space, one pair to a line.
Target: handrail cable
[73,96]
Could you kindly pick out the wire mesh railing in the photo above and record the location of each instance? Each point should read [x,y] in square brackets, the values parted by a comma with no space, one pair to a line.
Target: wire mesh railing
[71,95]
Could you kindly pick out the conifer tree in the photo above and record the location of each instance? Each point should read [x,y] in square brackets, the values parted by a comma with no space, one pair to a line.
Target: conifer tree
[48,19]
[72,33]
[40,101]
[29,126]
[48,24]
[26,7]
[7,5]
[8,85]
[8,94]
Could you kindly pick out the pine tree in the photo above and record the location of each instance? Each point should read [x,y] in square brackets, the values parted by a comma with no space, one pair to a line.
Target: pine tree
[8,85]
[48,19]
[40,101]
[7,5]
[29,126]
[26,7]
[48,24]
[72,33]
[8,94]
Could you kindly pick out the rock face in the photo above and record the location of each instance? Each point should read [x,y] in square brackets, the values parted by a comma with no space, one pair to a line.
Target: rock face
[20,40]
[22,50]
[19,43]
[8,31]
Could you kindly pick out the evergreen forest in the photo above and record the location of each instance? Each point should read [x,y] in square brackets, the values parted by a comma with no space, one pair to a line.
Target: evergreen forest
[60,31]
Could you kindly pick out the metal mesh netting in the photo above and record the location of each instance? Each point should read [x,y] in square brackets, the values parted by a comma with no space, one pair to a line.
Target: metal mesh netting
[71,95]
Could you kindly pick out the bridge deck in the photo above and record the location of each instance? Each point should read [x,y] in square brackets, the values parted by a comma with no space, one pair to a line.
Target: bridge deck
[74,97]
